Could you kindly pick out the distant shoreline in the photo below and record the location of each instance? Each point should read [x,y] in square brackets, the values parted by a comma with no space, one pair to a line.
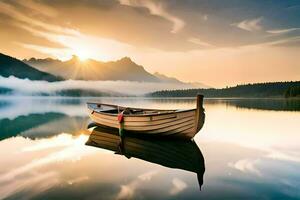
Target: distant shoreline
[258,90]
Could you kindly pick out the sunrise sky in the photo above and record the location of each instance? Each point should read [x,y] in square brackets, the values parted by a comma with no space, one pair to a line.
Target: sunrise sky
[215,42]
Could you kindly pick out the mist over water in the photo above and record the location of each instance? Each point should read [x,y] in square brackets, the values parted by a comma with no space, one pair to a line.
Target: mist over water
[29,87]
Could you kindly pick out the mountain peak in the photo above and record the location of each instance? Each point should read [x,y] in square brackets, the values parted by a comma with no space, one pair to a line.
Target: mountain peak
[126,60]
[75,58]
[13,67]
[33,59]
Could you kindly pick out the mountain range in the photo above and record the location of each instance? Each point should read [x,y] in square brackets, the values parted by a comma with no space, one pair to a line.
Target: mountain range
[123,69]
[49,69]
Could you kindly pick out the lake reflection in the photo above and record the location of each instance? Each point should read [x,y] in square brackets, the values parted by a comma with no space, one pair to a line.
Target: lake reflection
[173,153]
[251,150]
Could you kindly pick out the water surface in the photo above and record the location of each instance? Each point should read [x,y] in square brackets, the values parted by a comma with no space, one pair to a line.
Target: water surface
[250,149]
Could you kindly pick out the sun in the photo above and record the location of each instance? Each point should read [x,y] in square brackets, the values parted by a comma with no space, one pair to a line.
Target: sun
[82,54]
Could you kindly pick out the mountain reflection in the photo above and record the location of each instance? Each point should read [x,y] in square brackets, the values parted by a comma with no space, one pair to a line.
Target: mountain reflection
[41,125]
[41,117]
[14,127]
[179,154]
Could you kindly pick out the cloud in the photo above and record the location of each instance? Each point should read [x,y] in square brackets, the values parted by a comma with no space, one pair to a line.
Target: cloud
[71,40]
[282,31]
[199,42]
[78,180]
[246,165]
[40,28]
[72,151]
[128,190]
[20,177]
[62,53]
[42,182]
[43,144]
[29,21]
[178,186]
[38,7]
[250,24]
[293,156]
[284,42]
[73,44]
[157,9]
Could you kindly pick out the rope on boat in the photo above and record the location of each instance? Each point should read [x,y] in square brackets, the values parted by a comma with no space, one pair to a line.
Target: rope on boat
[121,122]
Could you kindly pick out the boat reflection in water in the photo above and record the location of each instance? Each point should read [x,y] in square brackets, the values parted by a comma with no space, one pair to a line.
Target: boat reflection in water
[173,153]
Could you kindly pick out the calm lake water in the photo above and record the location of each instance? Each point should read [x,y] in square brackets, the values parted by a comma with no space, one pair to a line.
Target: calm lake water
[251,150]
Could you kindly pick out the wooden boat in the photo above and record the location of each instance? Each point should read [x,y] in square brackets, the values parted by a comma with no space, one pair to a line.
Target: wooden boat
[179,154]
[181,123]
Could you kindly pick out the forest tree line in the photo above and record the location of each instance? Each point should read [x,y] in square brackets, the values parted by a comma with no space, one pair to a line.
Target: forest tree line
[293,91]
[259,90]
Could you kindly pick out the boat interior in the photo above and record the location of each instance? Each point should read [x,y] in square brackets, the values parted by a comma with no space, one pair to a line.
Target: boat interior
[114,109]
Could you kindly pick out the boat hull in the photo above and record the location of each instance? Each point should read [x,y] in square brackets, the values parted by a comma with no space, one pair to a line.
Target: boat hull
[179,123]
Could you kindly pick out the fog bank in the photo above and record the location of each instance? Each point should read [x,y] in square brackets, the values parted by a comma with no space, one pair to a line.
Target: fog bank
[29,87]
